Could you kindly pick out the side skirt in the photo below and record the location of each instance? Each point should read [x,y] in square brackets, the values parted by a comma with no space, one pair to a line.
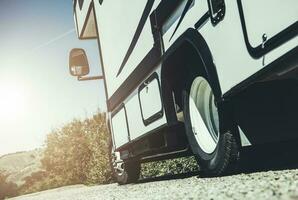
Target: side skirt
[165,143]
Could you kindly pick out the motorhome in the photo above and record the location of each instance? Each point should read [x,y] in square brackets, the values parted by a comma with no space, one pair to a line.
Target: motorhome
[187,77]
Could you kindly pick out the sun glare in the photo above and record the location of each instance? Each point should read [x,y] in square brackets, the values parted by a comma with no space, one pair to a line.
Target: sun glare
[12,101]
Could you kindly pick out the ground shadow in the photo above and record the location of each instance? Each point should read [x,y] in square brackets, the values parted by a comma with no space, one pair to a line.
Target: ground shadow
[261,158]
[277,156]
[169,177]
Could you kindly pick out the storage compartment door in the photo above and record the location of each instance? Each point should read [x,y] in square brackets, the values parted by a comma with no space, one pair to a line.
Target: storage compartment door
[150,100]
[120,128]
[272,22]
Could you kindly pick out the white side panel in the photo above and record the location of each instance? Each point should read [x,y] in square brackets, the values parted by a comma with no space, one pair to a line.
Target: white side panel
[135,121]
[137,127]
[150,99]
[268,16]
[226,42]
[117,23]
[120,129]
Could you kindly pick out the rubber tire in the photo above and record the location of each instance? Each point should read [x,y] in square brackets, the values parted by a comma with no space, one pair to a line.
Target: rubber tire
[224,159]
[131,173]
[132,170]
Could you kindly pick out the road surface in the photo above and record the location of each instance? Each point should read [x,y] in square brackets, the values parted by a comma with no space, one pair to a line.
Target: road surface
[273,174]
[259,185]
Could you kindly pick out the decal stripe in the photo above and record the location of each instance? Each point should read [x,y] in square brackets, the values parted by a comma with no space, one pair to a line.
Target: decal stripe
[186,8]
[137,34]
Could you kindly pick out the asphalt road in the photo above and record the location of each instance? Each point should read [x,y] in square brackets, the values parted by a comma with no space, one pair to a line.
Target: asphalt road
[270,176]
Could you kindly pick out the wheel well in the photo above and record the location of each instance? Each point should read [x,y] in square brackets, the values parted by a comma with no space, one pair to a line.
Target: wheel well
[187,58]
[179,68]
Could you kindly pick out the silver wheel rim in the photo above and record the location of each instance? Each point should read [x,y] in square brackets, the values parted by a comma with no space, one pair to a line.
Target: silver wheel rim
[203,115]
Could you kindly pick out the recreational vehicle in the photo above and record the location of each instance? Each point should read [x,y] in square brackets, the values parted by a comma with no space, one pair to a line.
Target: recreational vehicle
[189,77]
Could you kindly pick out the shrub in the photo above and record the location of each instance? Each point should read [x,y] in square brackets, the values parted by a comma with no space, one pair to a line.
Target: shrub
[77,153]
[74,154]
[169,167]
[7,189]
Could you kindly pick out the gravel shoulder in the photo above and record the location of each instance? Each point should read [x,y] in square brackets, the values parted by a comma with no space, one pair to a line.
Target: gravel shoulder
[271,185]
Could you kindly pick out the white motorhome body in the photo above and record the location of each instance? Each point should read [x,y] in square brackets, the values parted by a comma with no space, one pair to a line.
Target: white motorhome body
[150,49]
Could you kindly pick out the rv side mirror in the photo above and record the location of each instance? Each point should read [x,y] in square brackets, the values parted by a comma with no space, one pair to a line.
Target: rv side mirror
[78,62]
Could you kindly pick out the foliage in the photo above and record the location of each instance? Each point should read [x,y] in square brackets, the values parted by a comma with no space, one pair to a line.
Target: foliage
[169,167]
[40,181]
[77,153]
[7,189]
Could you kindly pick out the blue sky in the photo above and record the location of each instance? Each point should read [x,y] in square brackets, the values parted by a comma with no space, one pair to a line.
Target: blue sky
[37,92]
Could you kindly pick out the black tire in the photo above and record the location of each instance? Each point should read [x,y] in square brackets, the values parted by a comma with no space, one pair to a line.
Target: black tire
[223,160]
[131,173]
[131,170]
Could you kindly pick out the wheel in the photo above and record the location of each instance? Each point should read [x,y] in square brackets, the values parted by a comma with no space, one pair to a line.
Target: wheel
[216,153]
[124,172]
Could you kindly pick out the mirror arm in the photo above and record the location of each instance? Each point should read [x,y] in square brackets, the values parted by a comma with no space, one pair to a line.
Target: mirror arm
[90,78]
